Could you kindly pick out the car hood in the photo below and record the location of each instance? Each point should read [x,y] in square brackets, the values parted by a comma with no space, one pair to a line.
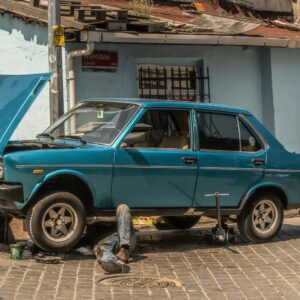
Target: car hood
[17,93]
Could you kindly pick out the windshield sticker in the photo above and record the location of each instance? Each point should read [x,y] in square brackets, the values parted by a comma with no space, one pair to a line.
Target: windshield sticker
[100,114]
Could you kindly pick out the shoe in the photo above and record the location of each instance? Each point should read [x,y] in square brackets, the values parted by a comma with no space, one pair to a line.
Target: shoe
[115,267]
[123,255]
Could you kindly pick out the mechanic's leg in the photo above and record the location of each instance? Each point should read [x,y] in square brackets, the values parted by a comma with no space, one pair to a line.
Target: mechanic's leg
[105,253]
[126,233]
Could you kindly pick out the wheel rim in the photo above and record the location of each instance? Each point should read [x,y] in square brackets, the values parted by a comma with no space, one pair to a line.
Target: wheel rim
[59,222]
[265,216]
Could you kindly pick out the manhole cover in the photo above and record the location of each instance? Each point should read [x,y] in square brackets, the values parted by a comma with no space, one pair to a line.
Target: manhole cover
[139,282]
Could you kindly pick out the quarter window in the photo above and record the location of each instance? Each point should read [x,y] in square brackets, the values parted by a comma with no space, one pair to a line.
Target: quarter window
[249,142]
[222,132]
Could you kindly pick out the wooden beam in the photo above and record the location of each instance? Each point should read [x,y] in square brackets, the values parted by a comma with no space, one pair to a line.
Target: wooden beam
[35,3]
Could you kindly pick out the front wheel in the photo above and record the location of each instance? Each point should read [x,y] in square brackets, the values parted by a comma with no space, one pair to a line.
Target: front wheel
[57,221]
[262,219]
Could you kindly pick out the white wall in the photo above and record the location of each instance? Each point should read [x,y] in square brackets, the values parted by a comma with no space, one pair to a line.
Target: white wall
[286,96]
[24,50]
[235,72]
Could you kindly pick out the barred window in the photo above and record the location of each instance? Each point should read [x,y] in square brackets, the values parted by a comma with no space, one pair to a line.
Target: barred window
[172,82]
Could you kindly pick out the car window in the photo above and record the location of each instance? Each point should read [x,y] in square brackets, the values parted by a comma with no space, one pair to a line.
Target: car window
[161,129]
[225,132]
[249,142]
[94,121]
[218,132]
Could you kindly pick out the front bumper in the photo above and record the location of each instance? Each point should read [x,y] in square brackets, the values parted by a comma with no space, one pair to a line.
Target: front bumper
[9,194]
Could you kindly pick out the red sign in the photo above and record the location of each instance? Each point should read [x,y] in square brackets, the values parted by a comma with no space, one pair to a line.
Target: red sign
[100,61]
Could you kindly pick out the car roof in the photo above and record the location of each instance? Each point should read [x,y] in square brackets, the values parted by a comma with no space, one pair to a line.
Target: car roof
[174,104]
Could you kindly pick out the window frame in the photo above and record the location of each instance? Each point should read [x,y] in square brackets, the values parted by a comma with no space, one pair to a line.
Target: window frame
[169,92]
[239,118]
[144,111]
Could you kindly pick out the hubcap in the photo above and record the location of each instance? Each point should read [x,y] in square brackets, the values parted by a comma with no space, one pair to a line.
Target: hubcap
[59,222]
[264,216]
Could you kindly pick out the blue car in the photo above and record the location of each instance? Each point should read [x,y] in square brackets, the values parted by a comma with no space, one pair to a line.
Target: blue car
[163,158]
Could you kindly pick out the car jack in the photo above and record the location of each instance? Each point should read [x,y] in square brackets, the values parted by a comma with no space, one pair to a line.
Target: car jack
[221,233]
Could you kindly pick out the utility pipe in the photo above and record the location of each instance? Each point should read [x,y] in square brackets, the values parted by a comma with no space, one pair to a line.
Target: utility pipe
[72,76]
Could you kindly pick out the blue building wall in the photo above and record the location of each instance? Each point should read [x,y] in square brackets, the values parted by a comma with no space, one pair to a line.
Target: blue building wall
[286,94]
[235,72]
[267,89]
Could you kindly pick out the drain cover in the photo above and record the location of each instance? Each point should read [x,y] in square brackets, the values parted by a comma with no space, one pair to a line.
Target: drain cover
[139,282]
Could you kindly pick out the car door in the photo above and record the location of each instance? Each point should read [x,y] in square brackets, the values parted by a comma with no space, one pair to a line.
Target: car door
[231,158]
[160,170]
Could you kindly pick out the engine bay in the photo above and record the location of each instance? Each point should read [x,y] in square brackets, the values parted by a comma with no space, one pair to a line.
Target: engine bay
[15,146]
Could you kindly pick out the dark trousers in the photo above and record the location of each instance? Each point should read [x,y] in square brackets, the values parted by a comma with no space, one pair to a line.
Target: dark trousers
[108,247]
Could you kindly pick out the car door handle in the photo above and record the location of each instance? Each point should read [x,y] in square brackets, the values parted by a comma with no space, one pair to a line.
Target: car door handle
[189,160]
[258,162]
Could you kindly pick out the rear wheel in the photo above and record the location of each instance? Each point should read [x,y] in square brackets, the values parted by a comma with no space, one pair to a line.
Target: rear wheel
[181,222]
[57,221]
[262,219]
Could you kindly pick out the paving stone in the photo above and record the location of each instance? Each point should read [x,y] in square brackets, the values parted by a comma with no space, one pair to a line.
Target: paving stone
[252,271]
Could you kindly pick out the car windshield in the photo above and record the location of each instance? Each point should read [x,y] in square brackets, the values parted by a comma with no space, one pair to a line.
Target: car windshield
[93,122]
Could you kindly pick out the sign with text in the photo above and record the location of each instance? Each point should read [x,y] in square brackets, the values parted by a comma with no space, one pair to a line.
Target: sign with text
[100,61]
[58,36]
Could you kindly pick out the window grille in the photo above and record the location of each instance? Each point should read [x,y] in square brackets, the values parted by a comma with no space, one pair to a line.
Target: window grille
[173,82]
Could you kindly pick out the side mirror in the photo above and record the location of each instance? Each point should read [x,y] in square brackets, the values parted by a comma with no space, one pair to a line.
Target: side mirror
[134,138]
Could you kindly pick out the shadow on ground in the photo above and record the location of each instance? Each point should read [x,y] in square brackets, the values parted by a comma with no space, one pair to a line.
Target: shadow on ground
[159,241]
[184,240]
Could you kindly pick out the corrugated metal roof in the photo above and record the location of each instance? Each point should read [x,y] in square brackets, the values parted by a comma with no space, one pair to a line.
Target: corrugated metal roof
[209,27]
[224,25]
[267,5]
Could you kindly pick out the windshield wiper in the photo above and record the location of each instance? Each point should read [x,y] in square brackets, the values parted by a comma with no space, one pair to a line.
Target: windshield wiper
[45,134]
[74,137]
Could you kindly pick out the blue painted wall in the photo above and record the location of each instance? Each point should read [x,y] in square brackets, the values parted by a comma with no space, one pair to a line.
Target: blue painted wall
[235,72]
[286,95]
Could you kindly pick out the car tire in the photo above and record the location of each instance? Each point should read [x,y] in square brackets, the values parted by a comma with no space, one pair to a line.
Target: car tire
[261,219]
[181,222]
[57,221]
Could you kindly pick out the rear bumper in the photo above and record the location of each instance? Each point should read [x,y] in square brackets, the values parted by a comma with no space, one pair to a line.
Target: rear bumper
[9,194]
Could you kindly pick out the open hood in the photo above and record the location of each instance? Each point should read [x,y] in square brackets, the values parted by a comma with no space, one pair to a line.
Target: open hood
[17,93]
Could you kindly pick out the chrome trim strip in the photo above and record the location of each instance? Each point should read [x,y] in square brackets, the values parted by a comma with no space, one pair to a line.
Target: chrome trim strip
[105,166]
[249,169]
[63,166]
[231,169]
[154,167]
[282,171]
